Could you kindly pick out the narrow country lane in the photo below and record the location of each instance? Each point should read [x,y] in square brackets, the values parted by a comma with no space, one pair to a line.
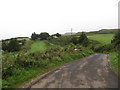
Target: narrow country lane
[90,72]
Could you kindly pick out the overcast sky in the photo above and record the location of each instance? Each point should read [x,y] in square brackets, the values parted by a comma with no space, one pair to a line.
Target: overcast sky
[23,17]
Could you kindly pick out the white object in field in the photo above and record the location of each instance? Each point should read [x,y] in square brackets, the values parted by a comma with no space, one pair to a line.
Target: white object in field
[75,49]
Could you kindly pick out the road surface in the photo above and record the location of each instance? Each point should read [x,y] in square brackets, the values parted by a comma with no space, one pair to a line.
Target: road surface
[90,72]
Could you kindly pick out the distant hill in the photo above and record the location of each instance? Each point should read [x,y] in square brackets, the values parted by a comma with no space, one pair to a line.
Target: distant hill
[103,31]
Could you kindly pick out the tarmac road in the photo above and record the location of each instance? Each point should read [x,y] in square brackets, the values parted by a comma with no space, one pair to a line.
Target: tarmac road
[90,72]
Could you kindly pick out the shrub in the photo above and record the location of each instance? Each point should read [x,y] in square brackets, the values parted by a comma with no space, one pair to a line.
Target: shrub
[27,45]
[13,45]
[8,63]
[4,45]
[83,39]
[116,41]
[74,40]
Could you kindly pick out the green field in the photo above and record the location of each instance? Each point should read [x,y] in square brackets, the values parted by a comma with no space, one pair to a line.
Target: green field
[23,38]
[104,39]
[38,46]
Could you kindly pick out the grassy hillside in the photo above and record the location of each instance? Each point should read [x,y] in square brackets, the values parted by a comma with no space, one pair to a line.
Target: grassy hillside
[104,39]
[38,46]
[23,38]
[103,31]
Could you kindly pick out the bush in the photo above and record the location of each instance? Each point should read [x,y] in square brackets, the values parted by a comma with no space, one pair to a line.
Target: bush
[116,41]
[105,48]
[74,40]
[44,36]
[83,39]
[41,36]
[4,45]
[8,63]
[11,46]
[27,45]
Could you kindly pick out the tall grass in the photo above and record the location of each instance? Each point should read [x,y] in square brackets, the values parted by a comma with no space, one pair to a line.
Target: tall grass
[114,61]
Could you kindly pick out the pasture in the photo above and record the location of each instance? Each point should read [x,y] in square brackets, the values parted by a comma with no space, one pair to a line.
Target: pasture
[23,38]
[38,46]
[104,39]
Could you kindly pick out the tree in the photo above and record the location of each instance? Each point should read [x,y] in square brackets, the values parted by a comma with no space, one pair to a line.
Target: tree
[57,34]
[13,45]
[44,36]
[4,45]
[34,36]
[116,40]
[83,39]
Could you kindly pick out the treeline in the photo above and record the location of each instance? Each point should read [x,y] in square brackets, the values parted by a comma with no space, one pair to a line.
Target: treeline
[44,36]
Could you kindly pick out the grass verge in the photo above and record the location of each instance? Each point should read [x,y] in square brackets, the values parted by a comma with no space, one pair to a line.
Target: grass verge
[114,61]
